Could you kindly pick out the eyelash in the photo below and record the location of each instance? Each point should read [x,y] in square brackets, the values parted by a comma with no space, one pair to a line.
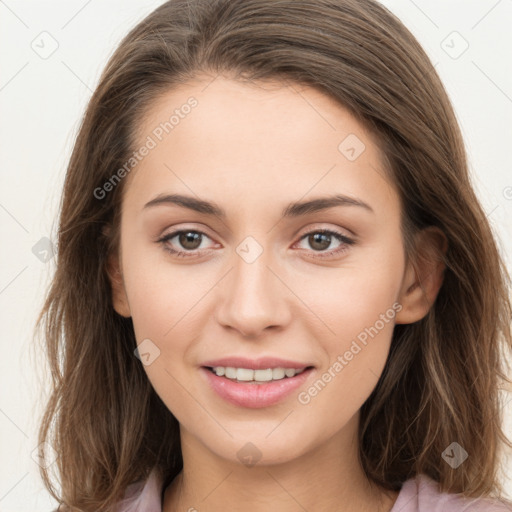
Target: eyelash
[195,253]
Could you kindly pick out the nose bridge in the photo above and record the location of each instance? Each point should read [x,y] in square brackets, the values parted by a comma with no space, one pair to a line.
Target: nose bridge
[253,297]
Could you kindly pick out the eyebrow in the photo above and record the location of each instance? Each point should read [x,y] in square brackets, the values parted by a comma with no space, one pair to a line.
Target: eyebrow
[295,209]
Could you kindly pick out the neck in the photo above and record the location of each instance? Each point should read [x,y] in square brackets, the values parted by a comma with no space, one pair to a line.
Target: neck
[328,477]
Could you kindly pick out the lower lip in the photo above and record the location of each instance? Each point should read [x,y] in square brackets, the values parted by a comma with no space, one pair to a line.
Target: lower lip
[252,395]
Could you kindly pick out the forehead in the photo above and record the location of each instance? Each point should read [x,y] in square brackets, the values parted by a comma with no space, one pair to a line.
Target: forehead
[218,136]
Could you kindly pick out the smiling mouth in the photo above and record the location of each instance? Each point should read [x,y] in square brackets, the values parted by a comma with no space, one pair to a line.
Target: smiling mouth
[250,376]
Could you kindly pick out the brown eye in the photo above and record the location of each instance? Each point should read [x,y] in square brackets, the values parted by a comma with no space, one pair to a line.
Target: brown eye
[319,241]
[187,243]
[189,239]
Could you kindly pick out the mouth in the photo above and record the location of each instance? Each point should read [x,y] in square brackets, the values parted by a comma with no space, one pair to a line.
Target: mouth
[255,388]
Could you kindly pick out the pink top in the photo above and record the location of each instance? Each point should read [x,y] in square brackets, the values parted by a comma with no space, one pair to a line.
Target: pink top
[418,494]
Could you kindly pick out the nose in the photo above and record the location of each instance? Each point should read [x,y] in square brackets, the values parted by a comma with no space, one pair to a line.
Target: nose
[253,298]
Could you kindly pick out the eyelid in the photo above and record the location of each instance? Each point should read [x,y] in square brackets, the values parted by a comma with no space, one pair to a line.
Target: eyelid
[178,229]
[321,226]
[315,226]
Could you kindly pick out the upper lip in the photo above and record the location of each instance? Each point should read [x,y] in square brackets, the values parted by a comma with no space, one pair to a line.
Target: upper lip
[255,364]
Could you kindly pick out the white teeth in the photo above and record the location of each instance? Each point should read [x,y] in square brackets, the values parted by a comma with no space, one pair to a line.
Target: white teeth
[246,374]
[263,375]
[230,372]
[279,373]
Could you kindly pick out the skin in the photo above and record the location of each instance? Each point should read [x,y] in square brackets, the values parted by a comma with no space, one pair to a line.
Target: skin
[253,149]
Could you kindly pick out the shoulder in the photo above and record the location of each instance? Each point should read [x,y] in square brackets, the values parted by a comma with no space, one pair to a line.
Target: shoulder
[145,495]
[421,494]
[141,496]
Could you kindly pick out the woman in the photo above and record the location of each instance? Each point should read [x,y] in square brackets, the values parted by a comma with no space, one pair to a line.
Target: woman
[207,353]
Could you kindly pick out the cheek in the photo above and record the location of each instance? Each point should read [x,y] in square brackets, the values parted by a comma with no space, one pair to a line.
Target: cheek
[354,296]
[162,295]
[359,306]
[355,353]
[167,303]
[164,302]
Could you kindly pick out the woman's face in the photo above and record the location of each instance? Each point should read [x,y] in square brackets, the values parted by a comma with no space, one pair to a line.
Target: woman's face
[255,278]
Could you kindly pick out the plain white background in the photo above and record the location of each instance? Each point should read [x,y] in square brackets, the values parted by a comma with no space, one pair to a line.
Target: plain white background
[51,57]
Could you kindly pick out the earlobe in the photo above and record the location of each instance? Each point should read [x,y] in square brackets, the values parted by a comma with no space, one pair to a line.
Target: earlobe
[423,276]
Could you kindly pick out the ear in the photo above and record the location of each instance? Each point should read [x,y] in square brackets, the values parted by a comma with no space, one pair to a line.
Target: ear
[423,276]
[115,276]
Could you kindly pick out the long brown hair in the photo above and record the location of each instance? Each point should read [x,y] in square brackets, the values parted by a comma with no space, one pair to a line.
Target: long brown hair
[442,377]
